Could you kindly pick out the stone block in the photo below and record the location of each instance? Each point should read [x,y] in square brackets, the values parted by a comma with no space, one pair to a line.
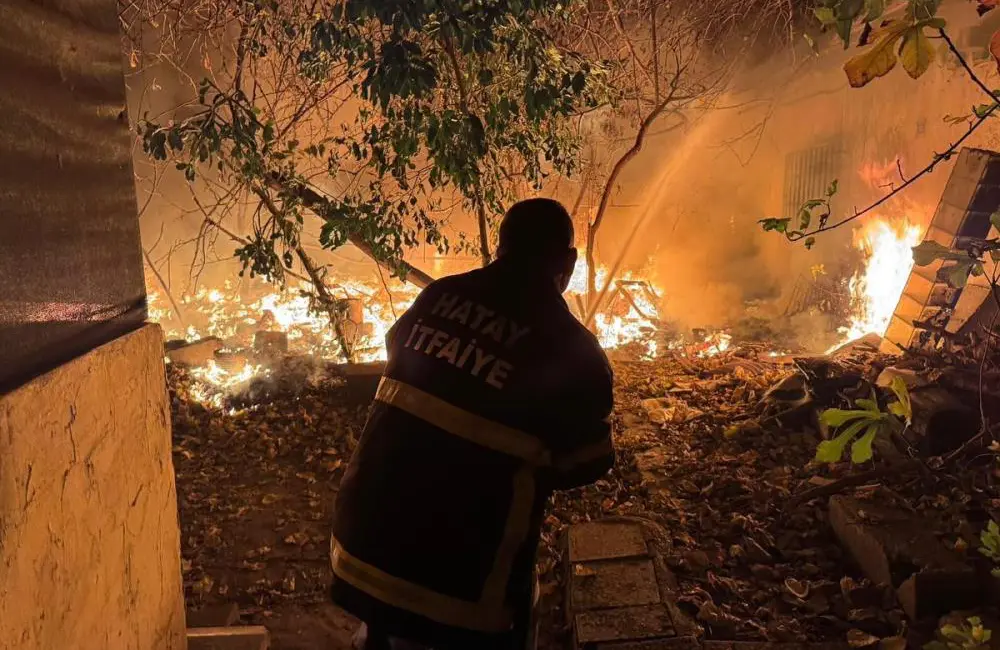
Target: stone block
[888,544]
[931,593]
[198,353]
[90,552]
[605,541]
[615,583]
[249,637]
[942,421]
[623,624]
[899,549]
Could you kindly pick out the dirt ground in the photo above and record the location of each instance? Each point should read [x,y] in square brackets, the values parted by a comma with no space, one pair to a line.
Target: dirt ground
[256,486]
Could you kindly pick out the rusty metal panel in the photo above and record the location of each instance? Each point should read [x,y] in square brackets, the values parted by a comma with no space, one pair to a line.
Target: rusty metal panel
[71,274]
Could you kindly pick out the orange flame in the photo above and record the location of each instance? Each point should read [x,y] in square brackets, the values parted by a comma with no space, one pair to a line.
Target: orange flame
[876,289]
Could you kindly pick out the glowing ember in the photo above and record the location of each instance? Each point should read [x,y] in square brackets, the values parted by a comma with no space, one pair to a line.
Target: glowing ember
[222,381]
[875,291]
[716,344]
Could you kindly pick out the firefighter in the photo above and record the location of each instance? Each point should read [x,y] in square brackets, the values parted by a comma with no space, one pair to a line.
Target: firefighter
[493,396]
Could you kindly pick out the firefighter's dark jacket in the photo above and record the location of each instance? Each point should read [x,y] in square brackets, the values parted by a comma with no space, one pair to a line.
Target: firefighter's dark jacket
[494,395]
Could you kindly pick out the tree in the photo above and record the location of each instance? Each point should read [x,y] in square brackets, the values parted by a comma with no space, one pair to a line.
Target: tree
[660,71]
[376,117]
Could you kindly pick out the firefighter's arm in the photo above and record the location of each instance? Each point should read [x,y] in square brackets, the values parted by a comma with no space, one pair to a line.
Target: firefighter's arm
[590,451]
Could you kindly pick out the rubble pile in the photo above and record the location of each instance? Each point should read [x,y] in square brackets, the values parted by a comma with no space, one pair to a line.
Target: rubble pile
[717,452]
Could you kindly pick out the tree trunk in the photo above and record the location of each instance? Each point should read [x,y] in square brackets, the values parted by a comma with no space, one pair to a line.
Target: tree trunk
[313,200]
[484,230]
[593,299]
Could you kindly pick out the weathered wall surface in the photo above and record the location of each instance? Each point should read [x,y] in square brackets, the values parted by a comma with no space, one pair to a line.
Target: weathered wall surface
[89,542]
[70,260]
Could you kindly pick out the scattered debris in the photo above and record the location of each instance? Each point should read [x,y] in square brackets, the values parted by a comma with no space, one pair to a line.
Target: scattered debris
[740,505]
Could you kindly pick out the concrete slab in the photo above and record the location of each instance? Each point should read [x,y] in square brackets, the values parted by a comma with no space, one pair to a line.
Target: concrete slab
[898,549]
[623,624]
[615,583]
[249,637]
[198,353]
[605,541]
[675,643]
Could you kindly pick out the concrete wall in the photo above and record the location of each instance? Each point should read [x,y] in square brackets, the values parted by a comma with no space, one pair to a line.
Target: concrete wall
[89,541]
[71,274]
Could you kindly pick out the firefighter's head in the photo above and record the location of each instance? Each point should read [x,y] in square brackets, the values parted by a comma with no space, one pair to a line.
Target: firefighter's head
[537,235]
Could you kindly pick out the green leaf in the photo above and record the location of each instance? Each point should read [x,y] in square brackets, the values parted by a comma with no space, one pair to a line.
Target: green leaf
[861,450]
[844,27]
[839,417]
[775,224]
[983,110]
[916,52]
[922,9]
[875,10]
[831,451]
[824,15]
[995,220]
[832,189]
[928,251]
[869,405]
[902,393]
[958,276]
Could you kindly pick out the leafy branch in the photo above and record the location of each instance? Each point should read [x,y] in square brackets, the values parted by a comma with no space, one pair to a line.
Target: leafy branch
[971,635]
[989,540]
[860,426]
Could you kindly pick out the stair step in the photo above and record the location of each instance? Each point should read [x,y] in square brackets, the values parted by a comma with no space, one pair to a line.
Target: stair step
[214,616]
[240,637]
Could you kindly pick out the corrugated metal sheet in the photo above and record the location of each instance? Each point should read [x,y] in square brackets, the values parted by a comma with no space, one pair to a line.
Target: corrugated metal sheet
[808,174]
[71,274]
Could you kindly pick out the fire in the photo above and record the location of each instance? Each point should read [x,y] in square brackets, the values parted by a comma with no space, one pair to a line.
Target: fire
[630,317]
[222,381]
[636,317]
[876,289]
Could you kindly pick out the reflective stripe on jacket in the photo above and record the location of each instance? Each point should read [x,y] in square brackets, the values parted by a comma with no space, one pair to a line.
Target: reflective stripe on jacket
[493,396]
